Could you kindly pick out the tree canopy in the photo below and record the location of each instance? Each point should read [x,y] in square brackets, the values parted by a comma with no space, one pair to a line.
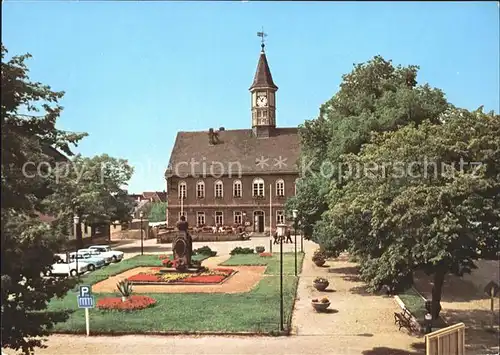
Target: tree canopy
[401,179]
[376,96]
[33,182]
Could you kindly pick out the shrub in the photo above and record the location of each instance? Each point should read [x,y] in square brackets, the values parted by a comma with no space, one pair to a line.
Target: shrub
[240,250]
[205,250]
[132,303]
[260,249]
[318,256]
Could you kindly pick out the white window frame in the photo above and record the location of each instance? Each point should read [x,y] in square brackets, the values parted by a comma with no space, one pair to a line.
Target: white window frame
[258,184]
[280,188]
[221,184]
[182,187]
[200,187]
[221,214]
[238,215]
[280,217]
[198,215]
[240,188]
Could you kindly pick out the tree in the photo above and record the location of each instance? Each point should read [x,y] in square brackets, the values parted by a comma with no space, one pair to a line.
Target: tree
[92,189]
[375,97]
[29,111]
[424,197]
[158,212]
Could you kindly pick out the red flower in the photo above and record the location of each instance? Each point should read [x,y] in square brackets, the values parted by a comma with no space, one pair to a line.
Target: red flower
[266,254]
[143,278]
[132,303]
[207,279]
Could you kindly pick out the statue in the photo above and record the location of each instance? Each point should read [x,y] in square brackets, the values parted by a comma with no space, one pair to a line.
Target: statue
[182,246]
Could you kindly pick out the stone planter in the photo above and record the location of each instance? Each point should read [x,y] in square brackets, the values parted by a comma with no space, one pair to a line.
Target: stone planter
[319,262]
[321,286]
[320,307]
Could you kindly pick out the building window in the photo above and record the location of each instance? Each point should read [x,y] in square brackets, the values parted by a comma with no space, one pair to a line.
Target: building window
[237,188]
[280,188]
[238,219]
[183,213]
[218,189]
[182,189]
[280,217]
[219,218]
[258,187]
[200,218]
[200,189]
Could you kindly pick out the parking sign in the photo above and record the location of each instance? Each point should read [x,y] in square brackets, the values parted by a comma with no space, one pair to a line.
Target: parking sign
[85,298]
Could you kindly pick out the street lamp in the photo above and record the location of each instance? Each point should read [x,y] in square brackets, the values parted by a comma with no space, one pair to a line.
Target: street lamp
[294,214]
[141,215]
[76,222]
[281,233]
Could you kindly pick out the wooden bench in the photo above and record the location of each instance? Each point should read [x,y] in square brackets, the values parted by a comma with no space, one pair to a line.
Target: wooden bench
[404,319]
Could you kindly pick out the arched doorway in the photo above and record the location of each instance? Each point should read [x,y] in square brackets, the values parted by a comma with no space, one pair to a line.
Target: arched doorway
[258,221]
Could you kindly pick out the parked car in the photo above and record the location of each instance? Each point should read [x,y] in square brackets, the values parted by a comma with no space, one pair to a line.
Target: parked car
[105,250]
[93,252]
[95,262]
[63,268]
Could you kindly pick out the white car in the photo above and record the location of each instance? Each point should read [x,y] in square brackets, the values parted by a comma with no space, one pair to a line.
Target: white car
[95,253]
[62,268]
[105,250]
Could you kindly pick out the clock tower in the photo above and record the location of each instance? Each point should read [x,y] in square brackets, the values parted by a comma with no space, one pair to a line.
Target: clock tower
[263,92]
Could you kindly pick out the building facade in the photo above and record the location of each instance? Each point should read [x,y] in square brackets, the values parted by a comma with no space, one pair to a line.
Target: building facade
[236,177]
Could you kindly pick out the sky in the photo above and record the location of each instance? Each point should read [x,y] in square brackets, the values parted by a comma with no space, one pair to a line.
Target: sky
[136,73]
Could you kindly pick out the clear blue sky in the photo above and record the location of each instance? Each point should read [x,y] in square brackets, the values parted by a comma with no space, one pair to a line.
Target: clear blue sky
[135,73]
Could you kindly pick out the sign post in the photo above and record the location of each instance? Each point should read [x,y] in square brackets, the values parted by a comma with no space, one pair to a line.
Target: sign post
[491,289]
[86,301]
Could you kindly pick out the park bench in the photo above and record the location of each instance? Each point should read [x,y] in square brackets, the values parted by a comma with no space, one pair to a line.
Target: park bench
[404,319]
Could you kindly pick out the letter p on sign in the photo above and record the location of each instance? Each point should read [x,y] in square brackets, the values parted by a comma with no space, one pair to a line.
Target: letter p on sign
[85,291]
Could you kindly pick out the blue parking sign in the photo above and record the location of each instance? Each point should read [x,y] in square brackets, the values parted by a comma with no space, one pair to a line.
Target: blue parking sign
[85,298]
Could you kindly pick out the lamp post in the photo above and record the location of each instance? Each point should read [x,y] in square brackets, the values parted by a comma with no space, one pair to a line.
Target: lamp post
[294,213]
[76,221]
[301,238]
[428,323]
[281,233]
[141,215]
[244,214]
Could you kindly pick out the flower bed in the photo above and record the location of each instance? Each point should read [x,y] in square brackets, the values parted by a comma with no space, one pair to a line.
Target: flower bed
[132,303]
[266,255]
[155,276]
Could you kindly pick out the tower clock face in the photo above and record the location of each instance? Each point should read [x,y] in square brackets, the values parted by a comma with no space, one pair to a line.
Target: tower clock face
[261,100]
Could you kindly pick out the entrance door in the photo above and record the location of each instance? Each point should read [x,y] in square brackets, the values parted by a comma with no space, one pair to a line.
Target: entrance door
[258,217]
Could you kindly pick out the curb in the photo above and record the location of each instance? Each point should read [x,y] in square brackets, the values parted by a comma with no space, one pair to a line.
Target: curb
[177,333]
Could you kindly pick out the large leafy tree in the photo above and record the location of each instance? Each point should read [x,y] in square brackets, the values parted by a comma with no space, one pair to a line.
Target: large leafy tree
[91,188]
[29,111]
[424,197]
[376,96]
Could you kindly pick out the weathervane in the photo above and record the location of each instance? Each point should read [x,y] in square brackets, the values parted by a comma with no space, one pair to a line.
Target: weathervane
[262,35]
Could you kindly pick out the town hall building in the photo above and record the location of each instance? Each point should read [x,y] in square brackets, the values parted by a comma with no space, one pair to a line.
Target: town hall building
[236,177]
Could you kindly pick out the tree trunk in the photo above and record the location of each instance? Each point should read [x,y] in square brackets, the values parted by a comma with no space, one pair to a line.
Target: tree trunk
[437,289]
[78,236]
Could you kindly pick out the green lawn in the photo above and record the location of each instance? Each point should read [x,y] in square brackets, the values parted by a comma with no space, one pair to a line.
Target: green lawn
[254,311]
[414,303]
